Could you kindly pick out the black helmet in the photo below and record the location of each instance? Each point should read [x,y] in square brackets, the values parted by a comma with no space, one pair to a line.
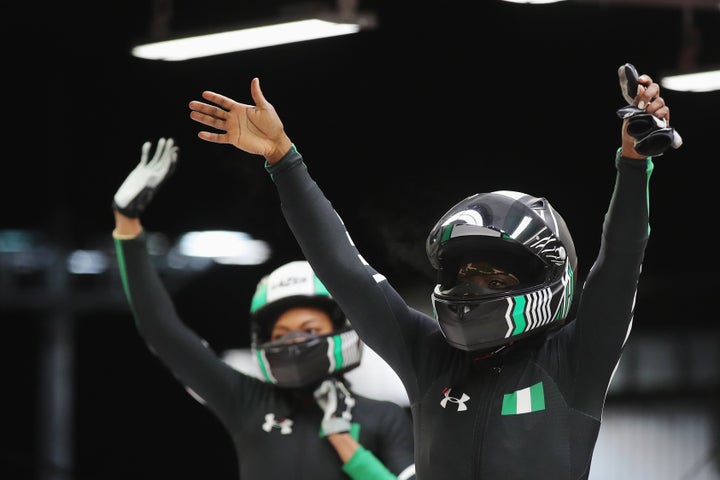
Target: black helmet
[298,358]
[501,233]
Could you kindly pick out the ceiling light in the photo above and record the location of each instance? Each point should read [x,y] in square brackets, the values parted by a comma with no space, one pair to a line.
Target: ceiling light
[224,247]
[249,38]
[693,82]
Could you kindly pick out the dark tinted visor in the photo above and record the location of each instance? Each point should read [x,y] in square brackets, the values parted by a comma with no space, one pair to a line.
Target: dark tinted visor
[473,327]
[292,338]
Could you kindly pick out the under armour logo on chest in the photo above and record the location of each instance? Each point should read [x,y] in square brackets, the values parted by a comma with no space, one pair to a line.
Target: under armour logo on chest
[284,425]
[459,401]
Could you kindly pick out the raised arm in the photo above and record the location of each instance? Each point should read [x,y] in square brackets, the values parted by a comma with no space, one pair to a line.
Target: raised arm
[605,312]
[181,350]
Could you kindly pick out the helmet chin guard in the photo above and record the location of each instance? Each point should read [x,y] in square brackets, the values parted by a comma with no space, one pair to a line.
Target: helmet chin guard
[300,359]
[522,235]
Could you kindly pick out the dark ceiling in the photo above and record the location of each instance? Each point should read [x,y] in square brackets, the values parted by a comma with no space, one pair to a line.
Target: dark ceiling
[396,123]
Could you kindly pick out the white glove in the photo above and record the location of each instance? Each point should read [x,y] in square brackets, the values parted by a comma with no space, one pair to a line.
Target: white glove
[336,401]
[140,186]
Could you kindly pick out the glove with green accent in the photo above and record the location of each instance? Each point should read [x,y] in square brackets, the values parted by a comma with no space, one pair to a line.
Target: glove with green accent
[140,186]
[336,402]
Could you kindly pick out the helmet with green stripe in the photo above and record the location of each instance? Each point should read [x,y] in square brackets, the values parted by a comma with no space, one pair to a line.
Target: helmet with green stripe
[506,268]
[299,358]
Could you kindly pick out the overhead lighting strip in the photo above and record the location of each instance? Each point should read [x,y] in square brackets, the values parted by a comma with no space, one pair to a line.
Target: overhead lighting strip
[245,39]
[693,82]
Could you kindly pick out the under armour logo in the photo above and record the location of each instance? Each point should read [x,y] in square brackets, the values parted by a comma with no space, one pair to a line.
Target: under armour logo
[460,401]
[285,424]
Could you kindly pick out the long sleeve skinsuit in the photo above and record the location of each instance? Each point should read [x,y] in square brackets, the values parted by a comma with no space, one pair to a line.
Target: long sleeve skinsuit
[275,431]
[533,411]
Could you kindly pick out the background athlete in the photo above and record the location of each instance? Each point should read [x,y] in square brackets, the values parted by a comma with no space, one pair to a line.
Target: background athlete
[302,420]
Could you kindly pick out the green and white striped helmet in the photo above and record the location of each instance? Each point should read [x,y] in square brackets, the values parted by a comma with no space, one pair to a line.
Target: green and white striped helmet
[299,363]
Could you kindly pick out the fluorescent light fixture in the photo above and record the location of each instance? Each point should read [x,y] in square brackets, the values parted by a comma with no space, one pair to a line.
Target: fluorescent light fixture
[693,82]
[224,247]
[87,262]
[245,39]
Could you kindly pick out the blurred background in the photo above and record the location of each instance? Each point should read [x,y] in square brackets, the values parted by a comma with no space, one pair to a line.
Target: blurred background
[397,123]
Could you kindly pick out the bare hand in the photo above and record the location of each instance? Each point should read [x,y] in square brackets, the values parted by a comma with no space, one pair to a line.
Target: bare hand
[254,129]
[649,98]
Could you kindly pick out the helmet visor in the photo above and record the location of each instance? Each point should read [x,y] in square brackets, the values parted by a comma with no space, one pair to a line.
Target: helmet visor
[479,276]
[470,327]
[293,336]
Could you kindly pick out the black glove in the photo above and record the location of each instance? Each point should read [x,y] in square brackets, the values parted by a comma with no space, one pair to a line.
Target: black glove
[140,186]
[652,134]
[336,401]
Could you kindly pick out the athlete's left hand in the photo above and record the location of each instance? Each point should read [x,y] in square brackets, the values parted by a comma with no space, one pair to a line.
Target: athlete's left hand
[142,183]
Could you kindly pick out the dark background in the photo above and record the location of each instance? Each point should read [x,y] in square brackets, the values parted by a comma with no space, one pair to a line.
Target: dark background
[396,124]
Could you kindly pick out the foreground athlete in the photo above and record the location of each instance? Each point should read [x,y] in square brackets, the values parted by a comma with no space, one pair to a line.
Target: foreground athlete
[502,385]
[303,421]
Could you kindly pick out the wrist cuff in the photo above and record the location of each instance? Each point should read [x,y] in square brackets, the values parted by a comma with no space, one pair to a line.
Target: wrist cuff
[291,159]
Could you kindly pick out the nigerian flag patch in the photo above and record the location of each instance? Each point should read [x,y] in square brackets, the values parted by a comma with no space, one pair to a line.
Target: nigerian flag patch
[530,399]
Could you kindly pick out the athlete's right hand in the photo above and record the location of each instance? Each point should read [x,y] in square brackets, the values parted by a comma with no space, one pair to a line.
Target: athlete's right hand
[140,186]
[336,402]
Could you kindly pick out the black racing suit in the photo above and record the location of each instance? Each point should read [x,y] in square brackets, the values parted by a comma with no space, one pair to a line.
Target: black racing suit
[468,422]
[275,431]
